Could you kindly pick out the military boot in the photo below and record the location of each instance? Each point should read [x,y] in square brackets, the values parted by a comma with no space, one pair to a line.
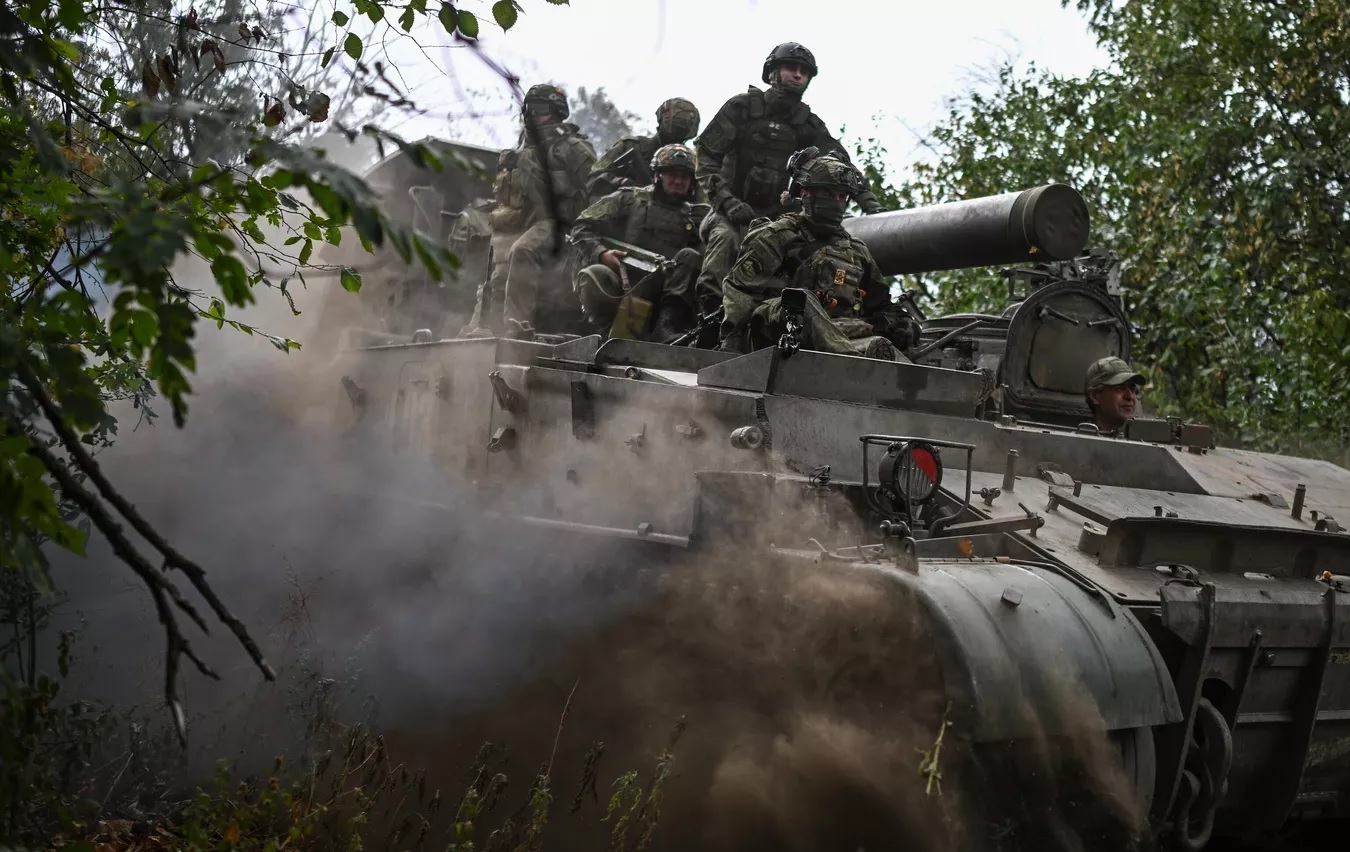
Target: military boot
[879,348]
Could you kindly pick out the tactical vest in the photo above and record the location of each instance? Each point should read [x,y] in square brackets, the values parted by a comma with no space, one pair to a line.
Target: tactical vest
[658,227]
[520,178]
[762,149]
[832,270]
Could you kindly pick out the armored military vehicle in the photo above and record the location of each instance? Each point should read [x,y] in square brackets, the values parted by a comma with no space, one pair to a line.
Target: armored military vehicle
[1196,594]
[451,205]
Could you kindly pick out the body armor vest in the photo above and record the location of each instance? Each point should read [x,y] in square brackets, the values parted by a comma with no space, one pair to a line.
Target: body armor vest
[522,172]
[659,227]
[833,272]
[762,149]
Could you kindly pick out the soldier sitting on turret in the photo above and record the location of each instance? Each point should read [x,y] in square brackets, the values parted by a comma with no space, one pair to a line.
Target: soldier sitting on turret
[1112,390]
[659,219]
[742,153]
[810,251]
[627,162]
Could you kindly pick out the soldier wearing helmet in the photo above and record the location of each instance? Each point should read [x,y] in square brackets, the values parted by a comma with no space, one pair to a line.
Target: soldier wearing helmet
[658,218]
[810,250]
[627,163]
[1112,390]
[743,153]
[540,190]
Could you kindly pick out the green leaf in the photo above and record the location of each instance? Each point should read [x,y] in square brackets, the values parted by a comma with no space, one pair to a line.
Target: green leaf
[305,251]
[504,12]
[353,46]
[327,57]
[340,18]
[233,279]
[68,51]
[407,19]
[447,16]
[351,280]
[468,24]
[144,327]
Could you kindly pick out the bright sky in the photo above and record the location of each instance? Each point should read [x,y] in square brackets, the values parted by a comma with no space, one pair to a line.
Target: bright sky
[885,66]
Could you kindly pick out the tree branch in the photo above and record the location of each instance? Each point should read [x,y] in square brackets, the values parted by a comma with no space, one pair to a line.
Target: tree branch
[172,558]
[165,594]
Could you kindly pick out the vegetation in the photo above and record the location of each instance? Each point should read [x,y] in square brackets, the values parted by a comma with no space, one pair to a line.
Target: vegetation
[134,134]
[1214,153]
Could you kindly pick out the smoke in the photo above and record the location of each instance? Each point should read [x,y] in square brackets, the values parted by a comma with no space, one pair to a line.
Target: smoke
[812,708]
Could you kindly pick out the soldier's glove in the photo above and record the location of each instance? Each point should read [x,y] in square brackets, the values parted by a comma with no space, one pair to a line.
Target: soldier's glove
[871,206]
[689,258]
[738,212]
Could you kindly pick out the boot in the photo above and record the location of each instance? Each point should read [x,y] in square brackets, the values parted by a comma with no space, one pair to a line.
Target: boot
[879,348]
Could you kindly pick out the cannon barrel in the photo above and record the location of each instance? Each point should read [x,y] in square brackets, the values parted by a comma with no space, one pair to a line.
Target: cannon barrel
[1043,223]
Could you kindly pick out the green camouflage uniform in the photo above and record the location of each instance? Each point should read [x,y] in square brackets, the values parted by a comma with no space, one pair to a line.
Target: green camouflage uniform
[632,154]
[628,161]
[792,251]
[647,219]
[525,232]
[742,158]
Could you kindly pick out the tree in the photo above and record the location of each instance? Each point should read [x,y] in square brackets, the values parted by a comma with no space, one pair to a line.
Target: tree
[107,179]
[600,119]
[1213,153]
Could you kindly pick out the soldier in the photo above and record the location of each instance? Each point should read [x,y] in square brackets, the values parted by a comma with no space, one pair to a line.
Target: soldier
[1112,390]
[742,154]
[540,189]
[810,251]
[658,218]
[626,163]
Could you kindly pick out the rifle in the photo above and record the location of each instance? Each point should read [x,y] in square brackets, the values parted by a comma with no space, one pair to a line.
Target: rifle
[710,320]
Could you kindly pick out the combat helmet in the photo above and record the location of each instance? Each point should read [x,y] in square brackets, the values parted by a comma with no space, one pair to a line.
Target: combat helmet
[808,168]
[677,119]
[789,51]
[675,156]
[543,93]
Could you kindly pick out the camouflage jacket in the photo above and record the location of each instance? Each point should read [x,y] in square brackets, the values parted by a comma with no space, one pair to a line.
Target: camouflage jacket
[743,153]
[626,163]
[787,252]
[637,216]
[563,158]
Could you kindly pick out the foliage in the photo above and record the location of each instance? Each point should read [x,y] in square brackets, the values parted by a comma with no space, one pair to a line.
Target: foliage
[1213,154]
[599,118]
[107,180]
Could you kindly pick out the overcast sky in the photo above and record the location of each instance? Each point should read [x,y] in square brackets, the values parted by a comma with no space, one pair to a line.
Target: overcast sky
[885,67]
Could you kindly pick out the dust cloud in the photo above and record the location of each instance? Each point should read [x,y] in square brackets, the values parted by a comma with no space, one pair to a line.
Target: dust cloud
[804,701]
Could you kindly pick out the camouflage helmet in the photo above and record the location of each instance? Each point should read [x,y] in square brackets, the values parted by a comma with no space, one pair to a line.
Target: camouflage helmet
[789,51]
[830,171]
[677,120]
[543,93]
[674,156]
